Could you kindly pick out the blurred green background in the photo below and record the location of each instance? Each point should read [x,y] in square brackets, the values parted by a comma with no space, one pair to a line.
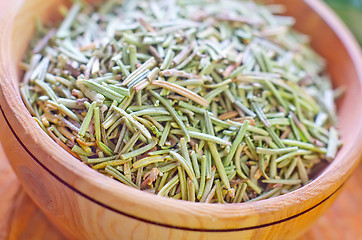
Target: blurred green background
[350,11]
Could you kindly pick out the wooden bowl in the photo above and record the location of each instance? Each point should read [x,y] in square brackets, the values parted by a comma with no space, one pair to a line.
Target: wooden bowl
[87,205]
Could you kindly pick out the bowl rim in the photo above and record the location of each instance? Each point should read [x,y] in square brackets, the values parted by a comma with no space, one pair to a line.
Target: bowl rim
[80,179]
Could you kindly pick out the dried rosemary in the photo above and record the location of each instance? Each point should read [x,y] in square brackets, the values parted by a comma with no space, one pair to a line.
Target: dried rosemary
[209,101]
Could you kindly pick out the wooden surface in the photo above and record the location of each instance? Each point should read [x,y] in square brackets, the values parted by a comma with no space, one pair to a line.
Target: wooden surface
[19,216]
[91,206]
[21,219]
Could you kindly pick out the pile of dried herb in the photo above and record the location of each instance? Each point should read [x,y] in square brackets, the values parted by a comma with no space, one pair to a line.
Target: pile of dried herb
[209,101]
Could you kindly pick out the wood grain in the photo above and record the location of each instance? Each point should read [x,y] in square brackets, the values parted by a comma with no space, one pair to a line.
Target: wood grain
[344,219]
[22,219]
[9,190]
